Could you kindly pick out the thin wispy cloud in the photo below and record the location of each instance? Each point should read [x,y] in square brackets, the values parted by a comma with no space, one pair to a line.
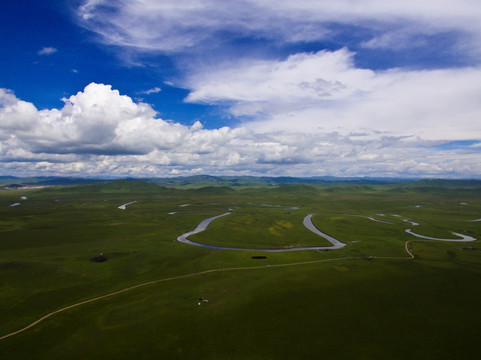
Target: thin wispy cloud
[176,25]
[47,51]
[154,90]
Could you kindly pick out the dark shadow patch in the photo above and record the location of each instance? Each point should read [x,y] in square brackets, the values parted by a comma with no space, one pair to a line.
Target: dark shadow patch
[99,258]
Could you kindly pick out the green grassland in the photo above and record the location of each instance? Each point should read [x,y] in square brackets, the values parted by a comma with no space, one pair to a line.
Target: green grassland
[260,226]
[369,300]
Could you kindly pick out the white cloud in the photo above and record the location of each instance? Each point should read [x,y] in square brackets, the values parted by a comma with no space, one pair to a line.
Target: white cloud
[176,25]
[14,113]
[397,39]
[308,114]
[47,51]
[154,90]
[325,90]
[101,132]
[301,78]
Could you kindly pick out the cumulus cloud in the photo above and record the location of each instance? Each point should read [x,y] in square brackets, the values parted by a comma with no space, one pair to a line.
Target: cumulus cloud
[47,51]
[96,121]
[101,132]
[15,115]
[325,90]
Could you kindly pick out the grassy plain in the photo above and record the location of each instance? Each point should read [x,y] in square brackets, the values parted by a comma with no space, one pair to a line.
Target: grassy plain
[340,304]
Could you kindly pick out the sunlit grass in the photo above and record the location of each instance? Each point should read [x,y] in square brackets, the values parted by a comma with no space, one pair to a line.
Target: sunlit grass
[361,307]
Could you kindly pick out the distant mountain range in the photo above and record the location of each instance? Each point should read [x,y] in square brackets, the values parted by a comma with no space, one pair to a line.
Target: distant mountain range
[208,180]
[200,181]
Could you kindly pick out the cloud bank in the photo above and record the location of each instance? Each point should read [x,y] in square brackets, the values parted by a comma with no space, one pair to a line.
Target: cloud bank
[101,132]
[325,90]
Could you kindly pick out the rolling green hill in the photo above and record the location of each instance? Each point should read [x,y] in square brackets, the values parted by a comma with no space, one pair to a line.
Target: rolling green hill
[369,300]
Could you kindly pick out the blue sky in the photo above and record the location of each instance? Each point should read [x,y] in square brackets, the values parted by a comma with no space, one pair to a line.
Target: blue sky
[305,88]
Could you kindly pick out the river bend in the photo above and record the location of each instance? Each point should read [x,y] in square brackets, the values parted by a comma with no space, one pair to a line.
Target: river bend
[336,244]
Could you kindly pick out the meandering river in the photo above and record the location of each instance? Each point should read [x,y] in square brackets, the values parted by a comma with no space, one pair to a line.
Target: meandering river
[336,244]
[124,206]
[464,238]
